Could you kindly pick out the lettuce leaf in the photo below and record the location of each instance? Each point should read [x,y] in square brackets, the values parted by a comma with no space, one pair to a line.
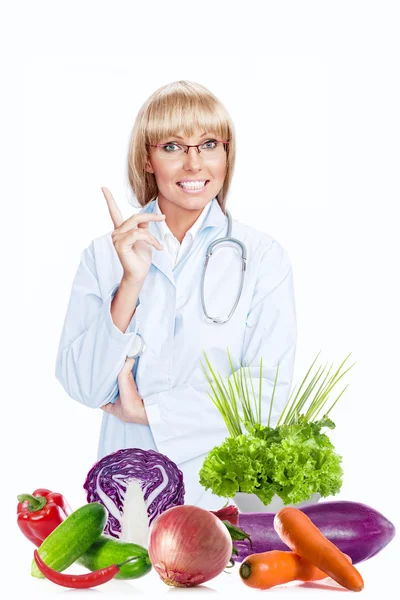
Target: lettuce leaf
[293,461]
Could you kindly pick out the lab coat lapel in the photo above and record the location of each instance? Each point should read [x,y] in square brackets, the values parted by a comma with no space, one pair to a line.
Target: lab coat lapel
[215,217]
[160,259]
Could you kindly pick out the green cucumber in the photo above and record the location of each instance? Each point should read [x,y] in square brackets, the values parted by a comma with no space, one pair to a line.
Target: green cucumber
[108,551]
[72,537]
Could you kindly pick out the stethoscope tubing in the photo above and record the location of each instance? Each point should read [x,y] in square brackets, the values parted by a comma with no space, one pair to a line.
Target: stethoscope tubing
[209,253]
[139,345]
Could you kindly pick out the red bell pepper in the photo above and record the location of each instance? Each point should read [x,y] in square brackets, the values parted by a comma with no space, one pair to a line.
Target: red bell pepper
[40,513]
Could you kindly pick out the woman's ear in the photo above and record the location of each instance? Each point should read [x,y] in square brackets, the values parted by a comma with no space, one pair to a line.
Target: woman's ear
[148,166]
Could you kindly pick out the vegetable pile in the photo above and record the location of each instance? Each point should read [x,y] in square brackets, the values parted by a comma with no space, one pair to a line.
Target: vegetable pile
[135,517]
[188,545]
[293,460]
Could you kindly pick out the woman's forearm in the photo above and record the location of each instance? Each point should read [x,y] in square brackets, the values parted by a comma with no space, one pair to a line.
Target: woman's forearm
[123,304]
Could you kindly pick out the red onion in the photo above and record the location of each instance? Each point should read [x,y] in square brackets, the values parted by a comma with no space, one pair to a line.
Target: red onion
[188,545]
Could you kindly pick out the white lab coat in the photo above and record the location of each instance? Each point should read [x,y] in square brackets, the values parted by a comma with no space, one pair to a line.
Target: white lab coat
[178,250]
[184,424]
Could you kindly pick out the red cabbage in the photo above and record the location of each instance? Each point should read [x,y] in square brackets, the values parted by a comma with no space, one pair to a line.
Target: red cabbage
[157,476]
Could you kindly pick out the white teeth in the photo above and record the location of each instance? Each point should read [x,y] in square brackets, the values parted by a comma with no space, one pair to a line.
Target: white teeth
[192,185]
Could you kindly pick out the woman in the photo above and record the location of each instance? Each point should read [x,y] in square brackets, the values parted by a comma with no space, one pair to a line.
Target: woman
[144,279]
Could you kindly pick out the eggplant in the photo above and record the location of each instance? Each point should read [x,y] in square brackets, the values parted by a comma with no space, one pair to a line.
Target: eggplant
[356,529]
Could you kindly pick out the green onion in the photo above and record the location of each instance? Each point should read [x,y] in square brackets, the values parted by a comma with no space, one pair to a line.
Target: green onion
[226,399]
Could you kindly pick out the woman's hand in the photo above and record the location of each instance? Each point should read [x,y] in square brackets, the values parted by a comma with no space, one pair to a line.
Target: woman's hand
[132,240]
[129,406]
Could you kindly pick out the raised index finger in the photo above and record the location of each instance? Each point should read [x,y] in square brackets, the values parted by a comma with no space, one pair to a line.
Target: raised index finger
[115,213]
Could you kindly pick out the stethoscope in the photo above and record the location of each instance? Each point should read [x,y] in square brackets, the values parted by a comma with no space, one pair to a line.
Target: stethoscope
[138,345]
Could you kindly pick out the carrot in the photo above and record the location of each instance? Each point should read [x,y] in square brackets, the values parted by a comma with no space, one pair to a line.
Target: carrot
[300,534]
[276,567]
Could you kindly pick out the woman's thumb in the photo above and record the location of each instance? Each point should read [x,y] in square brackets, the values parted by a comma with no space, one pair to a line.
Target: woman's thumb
[128,366]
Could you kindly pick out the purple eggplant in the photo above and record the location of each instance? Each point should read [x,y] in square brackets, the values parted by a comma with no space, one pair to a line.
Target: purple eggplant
[356,529]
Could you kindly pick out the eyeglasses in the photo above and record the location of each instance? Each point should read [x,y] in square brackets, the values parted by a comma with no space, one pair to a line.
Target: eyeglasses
[211,149]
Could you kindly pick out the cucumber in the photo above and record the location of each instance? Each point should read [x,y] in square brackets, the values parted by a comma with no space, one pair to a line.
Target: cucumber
[72,537]
[108,551]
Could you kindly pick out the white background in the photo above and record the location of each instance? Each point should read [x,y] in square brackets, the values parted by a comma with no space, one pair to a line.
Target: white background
[313,91]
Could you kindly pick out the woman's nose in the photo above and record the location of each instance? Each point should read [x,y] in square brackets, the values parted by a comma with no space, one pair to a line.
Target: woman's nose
[193,157]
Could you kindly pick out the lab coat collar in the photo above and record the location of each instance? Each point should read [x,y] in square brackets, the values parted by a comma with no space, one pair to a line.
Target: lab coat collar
[215,218]
[194,229]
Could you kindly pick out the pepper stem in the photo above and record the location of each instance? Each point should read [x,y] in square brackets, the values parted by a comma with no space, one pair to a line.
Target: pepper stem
[121,564]
[35,502]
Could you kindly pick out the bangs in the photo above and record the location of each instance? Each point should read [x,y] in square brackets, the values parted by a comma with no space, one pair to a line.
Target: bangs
[185,113]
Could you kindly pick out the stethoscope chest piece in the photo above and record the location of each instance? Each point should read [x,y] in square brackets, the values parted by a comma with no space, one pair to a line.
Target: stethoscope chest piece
[137,347]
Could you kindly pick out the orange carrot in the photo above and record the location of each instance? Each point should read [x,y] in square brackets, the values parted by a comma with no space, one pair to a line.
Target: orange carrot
[300,534]
[276,567]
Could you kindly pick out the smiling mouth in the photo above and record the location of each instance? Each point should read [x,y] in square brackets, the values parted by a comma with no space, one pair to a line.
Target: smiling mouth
[192,185]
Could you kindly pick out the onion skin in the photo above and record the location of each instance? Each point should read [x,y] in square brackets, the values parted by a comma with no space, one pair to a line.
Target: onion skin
[188,545]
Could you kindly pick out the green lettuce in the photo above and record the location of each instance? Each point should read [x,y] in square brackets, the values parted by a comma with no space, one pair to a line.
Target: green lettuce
[293,461]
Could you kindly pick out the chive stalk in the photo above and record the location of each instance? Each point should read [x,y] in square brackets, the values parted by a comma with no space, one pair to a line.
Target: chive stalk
[226,398]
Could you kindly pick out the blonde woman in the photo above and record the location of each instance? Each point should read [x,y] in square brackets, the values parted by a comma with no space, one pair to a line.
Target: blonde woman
[139,291]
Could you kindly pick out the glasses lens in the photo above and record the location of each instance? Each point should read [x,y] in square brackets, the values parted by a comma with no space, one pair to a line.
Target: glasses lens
[212,149]
[209,150]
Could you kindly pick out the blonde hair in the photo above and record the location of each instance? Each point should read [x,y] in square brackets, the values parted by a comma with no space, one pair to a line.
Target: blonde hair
[178,105]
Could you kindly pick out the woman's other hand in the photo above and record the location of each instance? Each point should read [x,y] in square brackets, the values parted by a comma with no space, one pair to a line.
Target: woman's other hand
[129,406]
[132,240]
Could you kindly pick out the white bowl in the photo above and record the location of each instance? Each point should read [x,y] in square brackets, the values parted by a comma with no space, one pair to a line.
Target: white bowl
[247,503]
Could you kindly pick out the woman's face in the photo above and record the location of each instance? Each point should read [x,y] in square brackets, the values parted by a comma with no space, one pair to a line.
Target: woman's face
[191,166]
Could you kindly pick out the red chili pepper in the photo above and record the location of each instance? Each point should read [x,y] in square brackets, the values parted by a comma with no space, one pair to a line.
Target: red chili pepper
[40,513]
[86,580]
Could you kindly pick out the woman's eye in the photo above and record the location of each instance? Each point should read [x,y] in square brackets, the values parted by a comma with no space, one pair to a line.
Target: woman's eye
[168,146]
[209,144]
